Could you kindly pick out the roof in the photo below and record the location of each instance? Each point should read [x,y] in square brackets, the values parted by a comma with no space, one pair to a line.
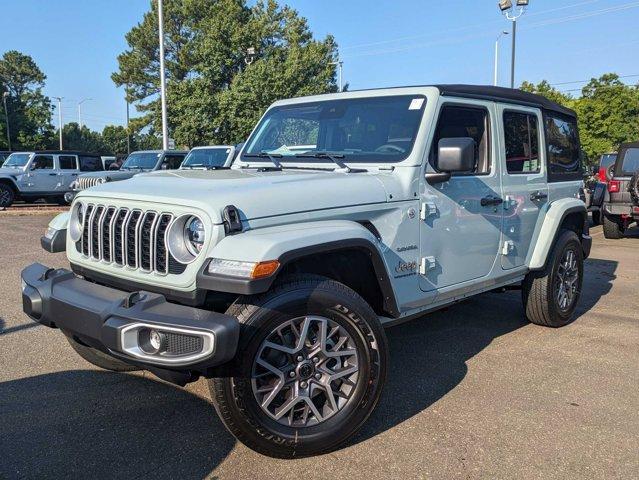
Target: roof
[60,152]
[501,94]
[626,146]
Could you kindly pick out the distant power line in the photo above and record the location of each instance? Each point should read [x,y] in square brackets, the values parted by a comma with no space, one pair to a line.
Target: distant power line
[586,81]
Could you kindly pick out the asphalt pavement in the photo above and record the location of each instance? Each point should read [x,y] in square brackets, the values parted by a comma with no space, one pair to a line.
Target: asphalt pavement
[474,391]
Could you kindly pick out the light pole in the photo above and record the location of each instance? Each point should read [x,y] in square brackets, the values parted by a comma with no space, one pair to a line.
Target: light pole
[495,78]
[59,99]
[6,116]
[128,133]
[165,127]
[80,111]
[512,13]
[340,84]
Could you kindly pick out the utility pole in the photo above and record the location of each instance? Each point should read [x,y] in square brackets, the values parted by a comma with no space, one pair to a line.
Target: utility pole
[6,116]
[80,111]
[165,128]
[340,84]
[512,13]
[59,99]
[495,77]
[128,133]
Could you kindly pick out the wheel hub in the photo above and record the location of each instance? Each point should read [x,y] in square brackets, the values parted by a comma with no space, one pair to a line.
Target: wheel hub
[305,370]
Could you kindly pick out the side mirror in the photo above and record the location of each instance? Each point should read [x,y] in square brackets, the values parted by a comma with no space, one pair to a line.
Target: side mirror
[456,155]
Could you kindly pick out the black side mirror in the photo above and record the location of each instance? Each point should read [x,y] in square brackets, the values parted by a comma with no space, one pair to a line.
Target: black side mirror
[456,155]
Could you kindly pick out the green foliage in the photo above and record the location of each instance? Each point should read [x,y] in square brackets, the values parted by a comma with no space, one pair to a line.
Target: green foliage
[28,108]
[76,138]
[608,112]
[214,95]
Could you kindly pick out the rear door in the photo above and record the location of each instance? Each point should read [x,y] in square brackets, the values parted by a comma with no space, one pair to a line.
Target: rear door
[524,181]
[67,171]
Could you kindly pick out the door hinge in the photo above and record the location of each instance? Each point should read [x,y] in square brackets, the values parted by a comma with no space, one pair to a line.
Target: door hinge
[508,247]
[427,264]
[428,209]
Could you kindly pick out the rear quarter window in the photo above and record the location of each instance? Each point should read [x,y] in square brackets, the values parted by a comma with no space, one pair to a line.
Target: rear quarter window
[90,164]
[563,148]
[630,161]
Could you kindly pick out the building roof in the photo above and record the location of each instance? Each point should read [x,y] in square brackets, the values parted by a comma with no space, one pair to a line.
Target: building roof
[501,94]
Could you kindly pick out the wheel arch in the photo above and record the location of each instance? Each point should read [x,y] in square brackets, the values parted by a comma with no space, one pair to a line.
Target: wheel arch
[11,183]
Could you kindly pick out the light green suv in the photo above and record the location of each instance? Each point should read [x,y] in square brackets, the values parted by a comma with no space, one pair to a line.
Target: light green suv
[342,214]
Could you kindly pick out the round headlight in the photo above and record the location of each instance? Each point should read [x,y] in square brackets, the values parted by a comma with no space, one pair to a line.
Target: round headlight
[186,238]
[76,222]
[194,235]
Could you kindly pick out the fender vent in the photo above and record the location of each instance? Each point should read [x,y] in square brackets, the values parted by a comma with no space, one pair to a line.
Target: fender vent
[232,222]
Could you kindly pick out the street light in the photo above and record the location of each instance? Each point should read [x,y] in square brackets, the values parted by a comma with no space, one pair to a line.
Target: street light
[504,32]
[512,13]
[340,84]
[6,116]
[80,111]
[59,99]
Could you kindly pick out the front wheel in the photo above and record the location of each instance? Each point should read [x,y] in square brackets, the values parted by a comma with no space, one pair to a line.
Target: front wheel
[550,296]
[6,196]
[311,370]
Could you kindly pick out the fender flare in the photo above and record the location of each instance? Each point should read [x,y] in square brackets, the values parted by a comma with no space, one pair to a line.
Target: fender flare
[291,242]
[11,181]
[555,216]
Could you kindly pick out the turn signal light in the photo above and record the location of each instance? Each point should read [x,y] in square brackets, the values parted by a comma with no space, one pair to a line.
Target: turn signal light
[614,186]
[264,269]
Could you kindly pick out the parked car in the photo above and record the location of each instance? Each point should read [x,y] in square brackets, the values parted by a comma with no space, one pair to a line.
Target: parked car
[621,201]
[595,185]
[43,174]
[209,158]
[274,279]
[137,162]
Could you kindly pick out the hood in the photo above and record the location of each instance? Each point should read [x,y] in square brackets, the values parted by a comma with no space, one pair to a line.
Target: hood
[114,175]
[13,172]
[255,194]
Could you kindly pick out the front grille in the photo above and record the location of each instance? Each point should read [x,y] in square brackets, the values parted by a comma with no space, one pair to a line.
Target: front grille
[128,237]
[86,182]
[181,344]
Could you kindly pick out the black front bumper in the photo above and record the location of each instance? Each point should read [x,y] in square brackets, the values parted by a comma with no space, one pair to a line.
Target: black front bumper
[97,316]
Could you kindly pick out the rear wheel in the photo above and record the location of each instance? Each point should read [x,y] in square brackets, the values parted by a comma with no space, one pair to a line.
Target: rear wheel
[612,227]
[596,217]
[6,196]
[98,358]
[551,295]
[312,366]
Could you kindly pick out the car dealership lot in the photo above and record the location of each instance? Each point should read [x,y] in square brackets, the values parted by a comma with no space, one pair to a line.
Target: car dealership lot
[495,396]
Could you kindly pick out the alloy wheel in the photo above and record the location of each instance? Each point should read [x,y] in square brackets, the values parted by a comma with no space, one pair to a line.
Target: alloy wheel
[567,280]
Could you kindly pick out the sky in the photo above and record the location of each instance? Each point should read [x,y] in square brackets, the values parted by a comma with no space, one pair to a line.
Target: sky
[382,43]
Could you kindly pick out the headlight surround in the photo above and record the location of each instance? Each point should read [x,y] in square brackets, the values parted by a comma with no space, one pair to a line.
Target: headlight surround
[76,222]
[186,238]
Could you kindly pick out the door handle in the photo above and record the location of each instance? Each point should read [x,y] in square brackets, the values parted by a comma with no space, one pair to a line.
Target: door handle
[74,174]
[486,201]
[53,174]
[538,196]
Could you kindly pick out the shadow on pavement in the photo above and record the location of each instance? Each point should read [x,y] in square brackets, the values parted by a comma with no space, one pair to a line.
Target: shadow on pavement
[17,328]
[92,424]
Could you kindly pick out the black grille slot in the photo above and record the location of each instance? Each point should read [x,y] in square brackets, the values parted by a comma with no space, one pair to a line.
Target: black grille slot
[175,267]
[180,344]
[131,240]
[146,233]
[106,234]
[95,232]
[117,236]
[85,231]
[160,246]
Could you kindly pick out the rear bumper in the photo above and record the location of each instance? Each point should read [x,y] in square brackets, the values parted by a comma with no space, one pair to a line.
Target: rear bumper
[112,320]
[626,209]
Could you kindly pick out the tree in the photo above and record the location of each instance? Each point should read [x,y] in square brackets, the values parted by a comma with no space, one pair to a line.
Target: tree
[214,94]
[544,88]
[83,139]
[29,109]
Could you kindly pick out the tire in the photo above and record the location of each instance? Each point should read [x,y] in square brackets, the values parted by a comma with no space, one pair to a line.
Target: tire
[6,196]
[100,359]
[541,290]
[596,217]
[612,227]
[312,301]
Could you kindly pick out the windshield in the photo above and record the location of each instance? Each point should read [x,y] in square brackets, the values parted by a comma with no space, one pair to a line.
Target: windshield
[206,157]
[379,129]
[17,160]
[146,161]
[630,161]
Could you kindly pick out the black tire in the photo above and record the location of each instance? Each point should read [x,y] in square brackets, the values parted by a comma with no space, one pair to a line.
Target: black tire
[539,289]
[295,297]
[596,217]
[6,196]
[98,358]
[612,227]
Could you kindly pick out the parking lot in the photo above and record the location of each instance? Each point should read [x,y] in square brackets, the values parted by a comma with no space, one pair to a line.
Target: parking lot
[474,391]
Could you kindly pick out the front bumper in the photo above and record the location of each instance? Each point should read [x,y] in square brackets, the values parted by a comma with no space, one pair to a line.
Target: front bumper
[104,318]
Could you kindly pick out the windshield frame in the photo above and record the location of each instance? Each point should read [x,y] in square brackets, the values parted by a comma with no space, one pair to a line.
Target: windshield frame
[158,158]
[247,157]
[29,157]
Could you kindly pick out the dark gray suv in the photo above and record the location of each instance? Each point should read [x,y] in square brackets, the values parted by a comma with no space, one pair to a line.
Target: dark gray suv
[621,203]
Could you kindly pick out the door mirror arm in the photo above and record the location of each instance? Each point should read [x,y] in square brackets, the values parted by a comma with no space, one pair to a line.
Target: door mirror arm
[434,178]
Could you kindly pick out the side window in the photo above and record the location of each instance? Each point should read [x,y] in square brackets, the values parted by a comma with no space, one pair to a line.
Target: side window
[90,164]
[67,162]
[172,162]
[458,121]
[42,162]
[522,142]
[562,142]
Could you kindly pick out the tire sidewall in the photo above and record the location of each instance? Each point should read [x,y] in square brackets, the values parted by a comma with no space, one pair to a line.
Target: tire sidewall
[371,344]
[3,188]
[568,240]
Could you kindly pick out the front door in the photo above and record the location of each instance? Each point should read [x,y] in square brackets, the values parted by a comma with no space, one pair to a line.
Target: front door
[461,218]
[524,181]
[41,175]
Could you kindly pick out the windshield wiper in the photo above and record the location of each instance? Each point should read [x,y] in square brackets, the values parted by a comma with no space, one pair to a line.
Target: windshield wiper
[273,157]
[336,158]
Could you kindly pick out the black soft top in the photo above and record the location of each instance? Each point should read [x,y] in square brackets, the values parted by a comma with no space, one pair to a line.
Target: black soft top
[507,95]
[64,152]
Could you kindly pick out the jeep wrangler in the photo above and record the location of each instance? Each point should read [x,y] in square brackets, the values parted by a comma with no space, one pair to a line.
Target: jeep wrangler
[45,175]
[342,214]
[621,199]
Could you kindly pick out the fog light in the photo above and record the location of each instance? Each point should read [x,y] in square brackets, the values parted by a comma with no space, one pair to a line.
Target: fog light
[151,341]
[155,339]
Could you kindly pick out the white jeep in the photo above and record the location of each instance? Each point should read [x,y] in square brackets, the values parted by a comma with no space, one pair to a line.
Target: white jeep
[342,214]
